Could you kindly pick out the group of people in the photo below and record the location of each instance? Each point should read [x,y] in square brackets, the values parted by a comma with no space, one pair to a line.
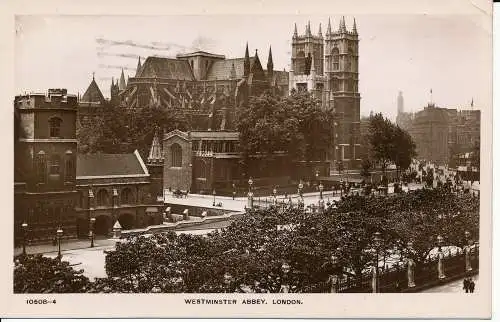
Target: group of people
[469,285]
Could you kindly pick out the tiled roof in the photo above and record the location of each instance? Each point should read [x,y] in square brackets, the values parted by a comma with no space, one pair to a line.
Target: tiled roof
[102,165]
[93,94]
[168,68]
[221,69]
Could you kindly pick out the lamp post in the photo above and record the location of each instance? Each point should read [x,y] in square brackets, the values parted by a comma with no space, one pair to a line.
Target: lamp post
[285,288]
[467,252]
[25,233]
[336,269]
[92,226]
[411,266]
[234,191]
[441,274]
[59,234]
[213,192]
[227,281]
[377,241]
[320,187]
[250,193]
[301,186]
[275,193]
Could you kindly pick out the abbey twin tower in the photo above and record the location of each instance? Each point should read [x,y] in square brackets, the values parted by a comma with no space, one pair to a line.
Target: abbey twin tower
[327,66]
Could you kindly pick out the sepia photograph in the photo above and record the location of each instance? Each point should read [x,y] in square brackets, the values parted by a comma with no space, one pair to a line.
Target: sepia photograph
[250,158]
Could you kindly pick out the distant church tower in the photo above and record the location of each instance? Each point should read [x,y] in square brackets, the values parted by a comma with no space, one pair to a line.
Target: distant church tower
[329,68]
[401,108]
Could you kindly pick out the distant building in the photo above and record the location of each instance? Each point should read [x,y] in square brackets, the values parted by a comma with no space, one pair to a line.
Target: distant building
[440,134]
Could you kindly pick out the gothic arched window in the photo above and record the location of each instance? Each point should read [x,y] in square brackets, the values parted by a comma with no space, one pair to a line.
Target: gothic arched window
[335,57]
[176,155]
[301,63]
[55,127]
[102,198]
[126,196]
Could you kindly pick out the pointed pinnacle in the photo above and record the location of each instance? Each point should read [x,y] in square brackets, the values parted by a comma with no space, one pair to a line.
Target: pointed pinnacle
[329,29]
[354,29]
[319,32]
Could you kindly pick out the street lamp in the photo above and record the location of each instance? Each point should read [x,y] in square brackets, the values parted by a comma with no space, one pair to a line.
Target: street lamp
[59,234]
[336,269]
[250,193]
[377,241]
[25,234]
[275,192]
[213,192]
[411,265]
[440,241]
[92,225]
[227,281]
[320,190]
[467,252]
[285,268]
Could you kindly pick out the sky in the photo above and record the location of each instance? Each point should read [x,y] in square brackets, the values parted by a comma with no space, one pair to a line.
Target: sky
[410,53]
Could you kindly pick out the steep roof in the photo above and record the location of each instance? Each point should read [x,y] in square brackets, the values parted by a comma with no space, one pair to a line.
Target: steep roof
[155,153]
[168,68]
[93,94]
[104,165]
[221,69]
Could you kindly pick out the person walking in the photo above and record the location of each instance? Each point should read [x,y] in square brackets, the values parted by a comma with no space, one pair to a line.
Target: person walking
[472,285]
[466,285]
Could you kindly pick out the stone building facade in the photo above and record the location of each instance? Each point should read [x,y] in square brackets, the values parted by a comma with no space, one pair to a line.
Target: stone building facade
[442,134]
[328,66]
[45,164]
[114,187]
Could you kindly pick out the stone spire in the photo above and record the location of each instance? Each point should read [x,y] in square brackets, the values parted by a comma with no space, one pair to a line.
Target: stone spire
[354,29]
[308,29]
[138,67]
[329,29]
[295,34]
[155,153]
[319,32]
[270,65]
[246,63]
[342,25]
[122,85]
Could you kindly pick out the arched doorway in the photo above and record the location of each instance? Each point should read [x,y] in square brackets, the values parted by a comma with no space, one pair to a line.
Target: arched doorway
[102,225]
[126,221]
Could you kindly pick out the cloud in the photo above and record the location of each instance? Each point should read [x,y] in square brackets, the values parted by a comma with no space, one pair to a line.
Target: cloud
[203,43]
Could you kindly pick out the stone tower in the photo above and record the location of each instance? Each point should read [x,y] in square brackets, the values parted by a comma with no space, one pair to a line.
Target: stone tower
[342,70]
[328,67]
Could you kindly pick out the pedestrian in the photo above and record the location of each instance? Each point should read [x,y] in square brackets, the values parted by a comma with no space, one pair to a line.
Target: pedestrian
[472,285]
[466,285]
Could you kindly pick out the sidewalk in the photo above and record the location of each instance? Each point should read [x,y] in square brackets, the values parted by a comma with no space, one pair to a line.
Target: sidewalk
[65,246]
[453,287]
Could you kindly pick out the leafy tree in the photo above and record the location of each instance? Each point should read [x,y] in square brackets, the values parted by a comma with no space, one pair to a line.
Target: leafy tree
[366,166]
[296,124]
[404,149]
[39,274]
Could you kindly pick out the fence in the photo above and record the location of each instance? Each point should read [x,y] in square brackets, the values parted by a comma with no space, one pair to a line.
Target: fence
[394,279]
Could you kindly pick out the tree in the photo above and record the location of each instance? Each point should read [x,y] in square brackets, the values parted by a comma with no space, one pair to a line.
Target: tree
[381,140]
[390,144]
[39,274]
[296,125]
[404,150]
[366,166]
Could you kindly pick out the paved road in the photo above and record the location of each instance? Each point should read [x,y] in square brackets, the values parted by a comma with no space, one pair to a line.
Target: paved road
[452,287]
